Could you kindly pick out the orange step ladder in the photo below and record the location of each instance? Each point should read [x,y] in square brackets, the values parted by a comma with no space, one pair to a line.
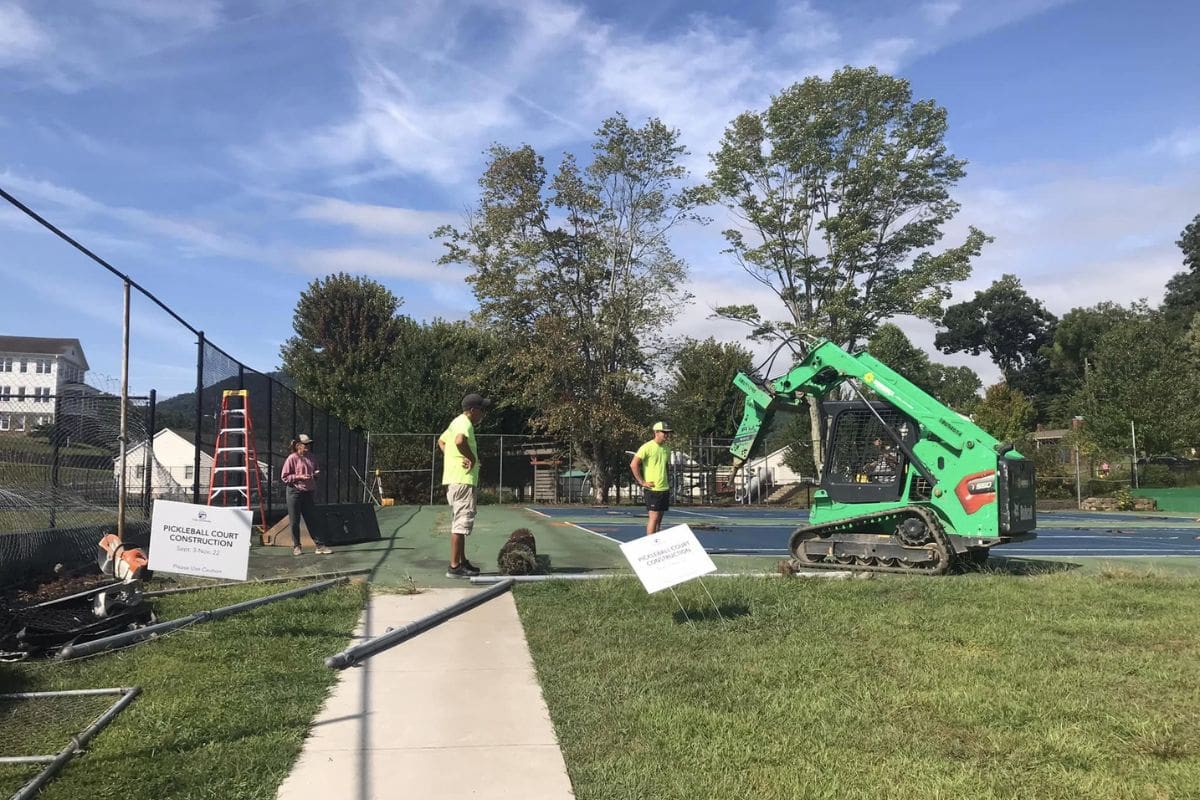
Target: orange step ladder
[235,479]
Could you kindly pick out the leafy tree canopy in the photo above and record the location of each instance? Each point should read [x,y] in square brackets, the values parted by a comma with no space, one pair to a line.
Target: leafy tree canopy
[576,276]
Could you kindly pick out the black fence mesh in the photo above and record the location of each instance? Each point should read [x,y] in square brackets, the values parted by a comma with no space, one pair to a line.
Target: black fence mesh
[407,468]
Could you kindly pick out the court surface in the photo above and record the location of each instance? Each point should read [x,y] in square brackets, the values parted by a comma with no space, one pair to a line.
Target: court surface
[765,531]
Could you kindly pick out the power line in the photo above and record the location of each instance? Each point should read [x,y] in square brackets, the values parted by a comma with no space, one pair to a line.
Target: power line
[81,248]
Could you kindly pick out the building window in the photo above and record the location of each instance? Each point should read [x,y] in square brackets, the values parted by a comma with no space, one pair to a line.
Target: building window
[43,419]
[5,364]
[141,473]
[24,365]
[189,473]
[20,394]
[41,394]
[5,393]
[19,422]
[42,365]
[4,422]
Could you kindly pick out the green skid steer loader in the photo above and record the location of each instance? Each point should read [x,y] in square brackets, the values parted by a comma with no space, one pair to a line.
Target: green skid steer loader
[909,485]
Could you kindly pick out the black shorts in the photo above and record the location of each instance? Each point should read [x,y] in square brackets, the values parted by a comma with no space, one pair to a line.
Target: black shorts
[658,501]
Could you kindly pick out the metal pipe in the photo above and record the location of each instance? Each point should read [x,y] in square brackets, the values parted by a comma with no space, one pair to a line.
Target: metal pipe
[360,652]
[237,608]
[123,437]
[63,693]
[486,580]
[132,637]
[199,416]
[432,469]
[77,743]
[185,589]
[148,461]
[270,448]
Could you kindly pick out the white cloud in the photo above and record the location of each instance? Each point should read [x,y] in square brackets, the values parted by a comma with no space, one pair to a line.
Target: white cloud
[1183,144]
[380,263]
[433,93]
[22,39]
[376,219]
[187,14]
[939,12]
[192,237]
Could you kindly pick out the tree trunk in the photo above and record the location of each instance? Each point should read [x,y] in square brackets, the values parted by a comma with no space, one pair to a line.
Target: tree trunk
[601,480]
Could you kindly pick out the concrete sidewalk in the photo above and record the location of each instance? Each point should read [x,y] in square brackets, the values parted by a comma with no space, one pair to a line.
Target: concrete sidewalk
[454,713]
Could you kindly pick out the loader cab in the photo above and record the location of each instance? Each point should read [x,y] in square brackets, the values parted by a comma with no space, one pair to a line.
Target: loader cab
[863,463]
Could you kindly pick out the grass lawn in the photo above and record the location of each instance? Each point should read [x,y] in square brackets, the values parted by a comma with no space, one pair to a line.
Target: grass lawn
[224,706]
[985,686]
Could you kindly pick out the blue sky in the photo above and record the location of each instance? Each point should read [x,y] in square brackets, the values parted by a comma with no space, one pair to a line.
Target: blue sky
[226,153]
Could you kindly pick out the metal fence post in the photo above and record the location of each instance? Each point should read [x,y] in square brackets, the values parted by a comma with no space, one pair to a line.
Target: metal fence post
[57,428]
[328,453]
[500,491]
[148,461]
[367,466]
[199,416]
[270,447]
[432,470]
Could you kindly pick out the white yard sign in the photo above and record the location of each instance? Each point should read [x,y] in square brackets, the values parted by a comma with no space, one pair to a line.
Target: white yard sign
[668,558]
[200,540]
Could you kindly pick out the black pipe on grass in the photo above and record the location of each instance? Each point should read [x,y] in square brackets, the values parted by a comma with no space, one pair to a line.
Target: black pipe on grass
[132,637]
[360,652]
[77,743]
[186,589]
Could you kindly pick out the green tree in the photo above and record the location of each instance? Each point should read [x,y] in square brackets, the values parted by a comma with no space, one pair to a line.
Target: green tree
[346,330]
[957,387]
[1005,413]
[575,275]
[1002,321]
[1070,354]
[1140,373]
[840,190]
[1182,299]
[701,399]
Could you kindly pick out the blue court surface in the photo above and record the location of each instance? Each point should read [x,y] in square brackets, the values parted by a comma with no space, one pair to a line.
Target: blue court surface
[765,531]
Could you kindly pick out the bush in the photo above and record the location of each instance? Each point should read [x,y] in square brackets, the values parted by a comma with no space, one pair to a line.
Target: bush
[1125,500]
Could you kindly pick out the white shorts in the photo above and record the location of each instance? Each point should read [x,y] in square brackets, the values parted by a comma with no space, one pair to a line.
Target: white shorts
[461,497]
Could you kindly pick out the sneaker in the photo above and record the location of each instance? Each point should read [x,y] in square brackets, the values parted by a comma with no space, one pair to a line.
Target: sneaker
[322,550]
[296,551]
[458,572]
[471,569]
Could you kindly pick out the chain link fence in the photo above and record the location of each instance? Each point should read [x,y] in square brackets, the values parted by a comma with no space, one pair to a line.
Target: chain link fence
[407,468]
[61,435]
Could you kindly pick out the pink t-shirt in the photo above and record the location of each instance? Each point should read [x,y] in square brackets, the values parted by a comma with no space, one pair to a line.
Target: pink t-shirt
[300,471]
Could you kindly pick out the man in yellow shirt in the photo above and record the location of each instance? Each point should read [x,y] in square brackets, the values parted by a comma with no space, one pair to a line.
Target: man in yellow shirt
[649,468]
[460,475]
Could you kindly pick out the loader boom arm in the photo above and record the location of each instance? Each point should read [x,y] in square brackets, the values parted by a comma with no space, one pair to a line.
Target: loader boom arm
[825,368]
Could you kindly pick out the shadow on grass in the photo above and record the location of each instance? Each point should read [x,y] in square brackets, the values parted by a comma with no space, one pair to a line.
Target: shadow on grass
[725,611]
[999,565]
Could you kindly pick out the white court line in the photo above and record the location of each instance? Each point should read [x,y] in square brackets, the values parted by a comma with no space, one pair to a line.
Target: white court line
[697,513]
[573,525]
[593,533]
[1123,552]
[1107,536]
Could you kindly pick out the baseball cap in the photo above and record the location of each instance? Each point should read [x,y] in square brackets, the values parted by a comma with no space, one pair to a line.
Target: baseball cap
[304,438]
[476,401]
[662,426]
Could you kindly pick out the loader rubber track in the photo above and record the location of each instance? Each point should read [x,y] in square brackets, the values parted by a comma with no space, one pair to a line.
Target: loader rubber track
[933,558]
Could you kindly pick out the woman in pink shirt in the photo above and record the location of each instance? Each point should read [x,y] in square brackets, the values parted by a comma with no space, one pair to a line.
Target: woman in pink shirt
[300,476]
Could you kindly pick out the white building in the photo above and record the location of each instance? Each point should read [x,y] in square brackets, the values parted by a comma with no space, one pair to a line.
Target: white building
[33,371]
[172,464]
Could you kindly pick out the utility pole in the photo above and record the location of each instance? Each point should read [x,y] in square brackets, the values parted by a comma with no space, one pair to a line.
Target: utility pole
[1076,425]
[1133,437]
